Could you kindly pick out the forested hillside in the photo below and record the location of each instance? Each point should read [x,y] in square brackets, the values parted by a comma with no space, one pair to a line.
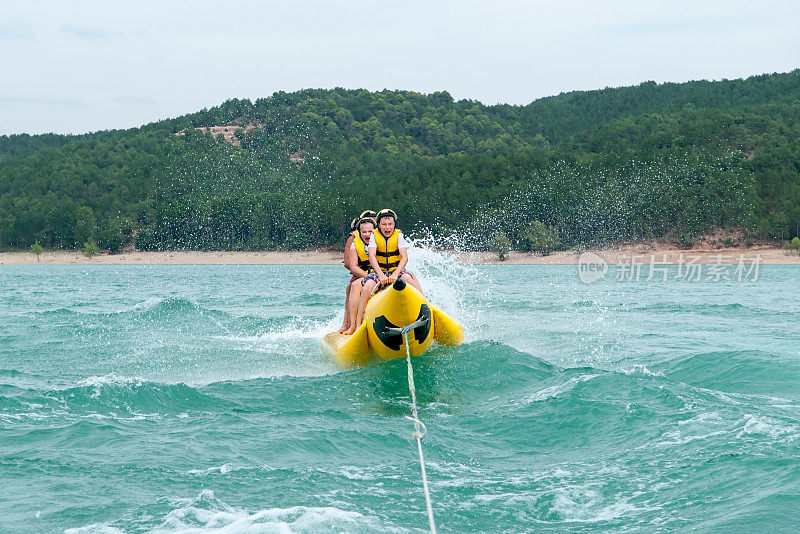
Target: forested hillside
[672,161]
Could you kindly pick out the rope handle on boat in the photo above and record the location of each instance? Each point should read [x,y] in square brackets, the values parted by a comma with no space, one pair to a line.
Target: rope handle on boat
[379,287]
[406,329]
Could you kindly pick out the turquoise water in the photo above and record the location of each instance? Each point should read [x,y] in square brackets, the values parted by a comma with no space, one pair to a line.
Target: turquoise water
[196,399]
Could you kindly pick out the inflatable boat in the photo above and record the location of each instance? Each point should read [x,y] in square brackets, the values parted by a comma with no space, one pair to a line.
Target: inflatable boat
[380,336]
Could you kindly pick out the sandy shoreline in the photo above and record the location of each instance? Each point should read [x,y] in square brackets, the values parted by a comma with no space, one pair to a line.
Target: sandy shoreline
[639,254]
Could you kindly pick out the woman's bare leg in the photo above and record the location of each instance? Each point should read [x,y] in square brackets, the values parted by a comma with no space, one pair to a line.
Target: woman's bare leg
[366,293]
[346,319]
[355,294]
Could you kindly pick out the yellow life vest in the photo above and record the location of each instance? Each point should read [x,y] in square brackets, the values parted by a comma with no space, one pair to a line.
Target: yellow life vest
[363,257]
[387,253]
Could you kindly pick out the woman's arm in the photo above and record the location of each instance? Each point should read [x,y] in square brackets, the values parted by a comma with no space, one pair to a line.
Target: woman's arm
[348,253]
[354,268]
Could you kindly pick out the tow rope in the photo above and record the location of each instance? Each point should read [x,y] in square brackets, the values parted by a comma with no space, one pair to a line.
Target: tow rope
[419,426]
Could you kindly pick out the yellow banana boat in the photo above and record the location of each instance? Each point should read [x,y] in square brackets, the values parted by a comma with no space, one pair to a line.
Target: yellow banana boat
[380,338]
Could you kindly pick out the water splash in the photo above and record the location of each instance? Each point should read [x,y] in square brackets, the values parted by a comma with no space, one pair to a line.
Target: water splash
[448,282]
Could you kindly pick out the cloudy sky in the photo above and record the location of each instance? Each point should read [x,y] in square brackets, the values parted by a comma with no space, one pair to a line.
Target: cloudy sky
[73,67]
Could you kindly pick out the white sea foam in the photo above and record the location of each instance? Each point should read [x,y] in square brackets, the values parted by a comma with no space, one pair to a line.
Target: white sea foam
[145,305]
[695,429]
[707,425]
[702,419]
[112,379]
[765,426]
[132,416]
[554,391]
[96,528]
[298,330]
[223,469]
[65,416]
[739,398]
[10,417]
[572,503]
[288,350]
[206,514]
[148,303]
[190,520]
[639,369]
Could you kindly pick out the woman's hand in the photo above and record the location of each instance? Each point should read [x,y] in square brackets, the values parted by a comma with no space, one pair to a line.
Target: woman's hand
[393,277]
[382,279]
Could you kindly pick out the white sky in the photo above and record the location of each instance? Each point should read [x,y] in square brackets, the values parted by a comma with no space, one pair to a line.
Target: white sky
[73,67]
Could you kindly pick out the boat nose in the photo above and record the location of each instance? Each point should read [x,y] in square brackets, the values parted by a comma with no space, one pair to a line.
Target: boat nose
[399,284]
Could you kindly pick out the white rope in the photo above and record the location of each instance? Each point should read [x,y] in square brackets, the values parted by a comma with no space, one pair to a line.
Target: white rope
[419,431]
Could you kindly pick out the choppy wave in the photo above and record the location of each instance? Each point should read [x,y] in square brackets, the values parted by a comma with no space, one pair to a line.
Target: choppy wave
[737,371]
[158,400]
[601,434]
[111,396]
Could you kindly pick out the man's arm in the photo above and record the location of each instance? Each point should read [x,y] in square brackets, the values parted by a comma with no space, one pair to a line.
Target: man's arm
[373,260]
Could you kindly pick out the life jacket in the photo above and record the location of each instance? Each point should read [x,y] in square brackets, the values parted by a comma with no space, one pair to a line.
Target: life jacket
[363,257]
[387,253]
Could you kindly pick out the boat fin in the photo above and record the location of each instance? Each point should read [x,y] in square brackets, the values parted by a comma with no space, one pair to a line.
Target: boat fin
[446,330]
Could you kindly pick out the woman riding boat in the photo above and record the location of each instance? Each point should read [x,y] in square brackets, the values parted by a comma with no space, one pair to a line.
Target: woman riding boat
[359,266]
[348,257]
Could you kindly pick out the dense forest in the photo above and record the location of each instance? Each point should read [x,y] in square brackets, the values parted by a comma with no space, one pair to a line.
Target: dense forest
[668,161]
